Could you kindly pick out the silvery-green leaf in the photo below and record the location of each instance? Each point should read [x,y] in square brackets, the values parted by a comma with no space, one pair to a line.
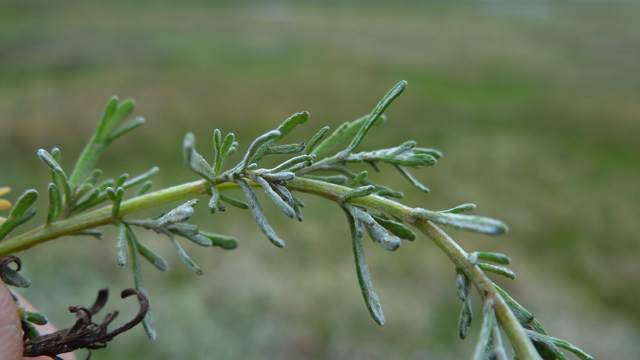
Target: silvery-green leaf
[477,224]
[315,140]
[362,270]
[500,270]
[256,210]
[179,214]
[225,242]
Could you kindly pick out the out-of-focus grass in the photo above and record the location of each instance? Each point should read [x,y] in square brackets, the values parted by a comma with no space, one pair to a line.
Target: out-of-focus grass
[535,106]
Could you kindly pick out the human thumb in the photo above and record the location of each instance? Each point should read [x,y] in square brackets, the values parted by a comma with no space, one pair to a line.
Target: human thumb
[10,328]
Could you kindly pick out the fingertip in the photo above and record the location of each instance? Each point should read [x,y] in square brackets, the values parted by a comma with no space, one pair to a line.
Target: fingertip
[10,329]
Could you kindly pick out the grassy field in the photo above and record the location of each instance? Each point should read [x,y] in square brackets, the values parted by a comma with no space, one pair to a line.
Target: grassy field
[534,104]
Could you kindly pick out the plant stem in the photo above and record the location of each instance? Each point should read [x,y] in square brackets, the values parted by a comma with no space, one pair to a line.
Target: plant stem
[99,217]
[522,345]
[517,336]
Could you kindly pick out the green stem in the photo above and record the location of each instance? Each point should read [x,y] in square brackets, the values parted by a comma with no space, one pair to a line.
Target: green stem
[517,336]
[100,217]
[522,345]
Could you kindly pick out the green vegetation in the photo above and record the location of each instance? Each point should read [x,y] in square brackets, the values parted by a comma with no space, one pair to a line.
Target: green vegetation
[537,117]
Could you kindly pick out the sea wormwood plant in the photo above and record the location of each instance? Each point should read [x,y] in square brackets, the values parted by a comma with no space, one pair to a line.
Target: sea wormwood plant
[318,167]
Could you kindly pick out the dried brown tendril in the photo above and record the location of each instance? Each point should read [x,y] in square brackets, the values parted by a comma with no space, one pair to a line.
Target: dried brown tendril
[6,260]
[85,334]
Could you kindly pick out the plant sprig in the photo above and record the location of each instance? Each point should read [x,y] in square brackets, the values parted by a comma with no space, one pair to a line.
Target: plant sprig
[70,199]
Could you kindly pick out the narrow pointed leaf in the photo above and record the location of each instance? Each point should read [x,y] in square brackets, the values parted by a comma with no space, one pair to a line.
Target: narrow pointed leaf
[373,165]
[234,202]
[293,161]
[477,224]
[93,177]
[125,108]
[358,192]
[232,149]
[256,210]
[373,117]
[224,151]
[185,258]
[121,180]
[109,111]
[537,337]
[488,323]
[356,180]
[496,341]
[280,203]
[284,193]
[293,121]
[433,152]
[547,344]
[52,212]
[463,285]
[134,123]
[404,147]
[396,228]
[489,256]
[466,316]
[153,258]
[121,251]
[411,179]
[225,242]
[53,165]
[217,145]
[140,178]
[144,188]
[298,212]
[285,149]
[278,177]
[407,159]
[376,231]
[315,140]
[500,270]
[57,155]
[362,270]
[380,235]
[525,318]
[460,208]
[190,232]
[214,202]
[137,279]
[177,215]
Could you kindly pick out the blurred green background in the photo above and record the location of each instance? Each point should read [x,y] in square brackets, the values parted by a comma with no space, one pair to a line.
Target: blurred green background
[535,104]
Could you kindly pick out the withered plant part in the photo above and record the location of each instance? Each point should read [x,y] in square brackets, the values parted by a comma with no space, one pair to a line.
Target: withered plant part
[85,333]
